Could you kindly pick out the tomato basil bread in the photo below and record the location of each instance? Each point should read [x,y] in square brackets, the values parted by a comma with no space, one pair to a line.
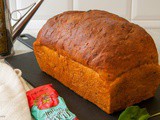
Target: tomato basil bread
[102,57]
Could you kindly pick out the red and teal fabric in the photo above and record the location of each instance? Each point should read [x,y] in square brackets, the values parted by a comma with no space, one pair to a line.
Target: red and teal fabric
[46,104]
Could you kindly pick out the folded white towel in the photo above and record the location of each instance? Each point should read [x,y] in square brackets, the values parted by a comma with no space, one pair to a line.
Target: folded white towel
[13,101]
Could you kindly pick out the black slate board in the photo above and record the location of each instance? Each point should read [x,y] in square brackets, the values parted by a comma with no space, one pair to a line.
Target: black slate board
[27,40]
[84,109]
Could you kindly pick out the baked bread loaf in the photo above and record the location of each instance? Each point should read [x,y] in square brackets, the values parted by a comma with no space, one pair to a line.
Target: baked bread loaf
[102,57]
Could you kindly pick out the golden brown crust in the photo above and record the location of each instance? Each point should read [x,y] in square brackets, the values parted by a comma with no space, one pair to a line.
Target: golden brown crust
[99,40]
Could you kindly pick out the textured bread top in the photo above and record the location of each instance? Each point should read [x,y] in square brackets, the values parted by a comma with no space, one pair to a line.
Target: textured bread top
[100,40]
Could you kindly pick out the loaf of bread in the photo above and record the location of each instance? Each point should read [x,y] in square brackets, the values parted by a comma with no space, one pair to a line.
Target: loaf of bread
[102,57]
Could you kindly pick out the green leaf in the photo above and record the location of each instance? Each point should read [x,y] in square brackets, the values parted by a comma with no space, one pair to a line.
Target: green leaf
[134,113]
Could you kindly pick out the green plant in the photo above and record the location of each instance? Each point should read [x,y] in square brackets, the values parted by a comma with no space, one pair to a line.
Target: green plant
[136,113]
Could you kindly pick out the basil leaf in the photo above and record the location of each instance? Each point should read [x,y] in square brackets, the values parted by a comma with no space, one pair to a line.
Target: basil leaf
[134,113]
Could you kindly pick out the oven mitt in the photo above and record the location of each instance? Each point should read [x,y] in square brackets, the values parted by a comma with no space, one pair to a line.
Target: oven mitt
[13,100]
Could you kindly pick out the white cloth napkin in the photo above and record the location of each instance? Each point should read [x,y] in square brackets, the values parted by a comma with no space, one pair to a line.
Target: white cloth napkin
[13,100]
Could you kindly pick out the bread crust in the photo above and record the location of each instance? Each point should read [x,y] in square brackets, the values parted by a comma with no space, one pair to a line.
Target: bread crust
[101,56]
[99,40]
